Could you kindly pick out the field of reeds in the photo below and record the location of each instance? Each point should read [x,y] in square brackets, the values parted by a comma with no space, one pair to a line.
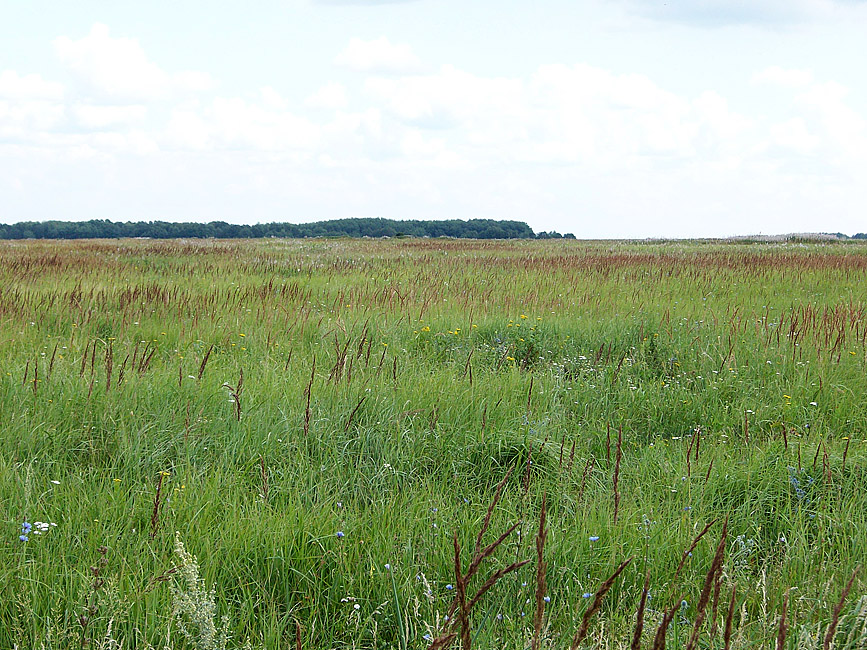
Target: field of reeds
[433,443]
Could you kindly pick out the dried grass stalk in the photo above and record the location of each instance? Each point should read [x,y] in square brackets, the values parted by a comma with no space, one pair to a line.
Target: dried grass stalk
[662,630]
[835,618]
[596,605]
[781,633]
[616,480]
[541,586]
[727,634]
[704,599]
[639,615]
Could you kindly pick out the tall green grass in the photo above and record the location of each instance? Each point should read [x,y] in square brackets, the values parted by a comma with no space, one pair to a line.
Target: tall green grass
[736,372]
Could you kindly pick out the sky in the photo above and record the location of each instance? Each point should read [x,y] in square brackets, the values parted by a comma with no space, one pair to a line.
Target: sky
[603,118]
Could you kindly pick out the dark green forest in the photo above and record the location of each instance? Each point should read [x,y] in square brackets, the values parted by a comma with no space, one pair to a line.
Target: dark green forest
[360,227]
[105,229]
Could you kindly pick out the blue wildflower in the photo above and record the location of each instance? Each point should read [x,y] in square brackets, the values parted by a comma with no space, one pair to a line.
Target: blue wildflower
[796,484]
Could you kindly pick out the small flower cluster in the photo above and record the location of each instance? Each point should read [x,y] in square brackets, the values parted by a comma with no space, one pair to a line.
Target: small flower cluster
[796,484]
[37,528]
[41,527]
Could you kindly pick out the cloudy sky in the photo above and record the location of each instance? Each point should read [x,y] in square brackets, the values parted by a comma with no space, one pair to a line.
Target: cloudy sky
[605,118]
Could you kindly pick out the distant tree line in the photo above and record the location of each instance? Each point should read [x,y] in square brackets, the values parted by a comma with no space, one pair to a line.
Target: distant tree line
[105,229]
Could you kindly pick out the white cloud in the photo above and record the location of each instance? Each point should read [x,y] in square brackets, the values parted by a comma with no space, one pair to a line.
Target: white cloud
[568,138]
[114,67]
[721,13]
[794,136]
[449,98]
[577,115]
[25,119]
[272,99]
[118,69]
[136,142]
[378,56]
[30,86]
[843,129]
[718,12]
[589,114]
[192,81]
[821,123]
[355,136]
[187,130]
[361,2]
[97,117]
[232,123]
[331,96]
[237,123]
[715,115]
[29,105]
[787,78]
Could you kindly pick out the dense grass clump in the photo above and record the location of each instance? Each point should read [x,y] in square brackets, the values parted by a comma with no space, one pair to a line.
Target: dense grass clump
[212,444]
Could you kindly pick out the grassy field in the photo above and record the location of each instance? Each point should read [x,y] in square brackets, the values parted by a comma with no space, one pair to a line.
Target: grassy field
[308,426]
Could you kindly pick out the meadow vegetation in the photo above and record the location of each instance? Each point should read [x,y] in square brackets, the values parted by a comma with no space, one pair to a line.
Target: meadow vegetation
[336,443]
